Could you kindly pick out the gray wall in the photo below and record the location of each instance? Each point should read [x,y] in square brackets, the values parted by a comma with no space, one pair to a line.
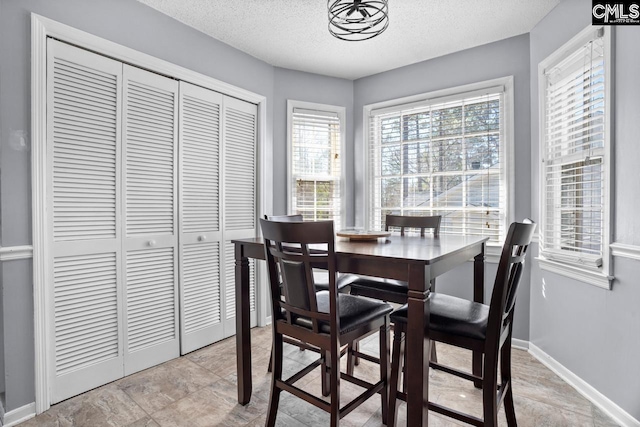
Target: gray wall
[300,86]
[509,57]
[123,21]
[591,331]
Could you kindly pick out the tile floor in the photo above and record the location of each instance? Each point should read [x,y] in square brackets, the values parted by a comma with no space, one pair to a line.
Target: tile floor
[199,390]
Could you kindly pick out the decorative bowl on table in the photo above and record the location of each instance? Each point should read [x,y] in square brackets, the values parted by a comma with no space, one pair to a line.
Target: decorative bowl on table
[356,234]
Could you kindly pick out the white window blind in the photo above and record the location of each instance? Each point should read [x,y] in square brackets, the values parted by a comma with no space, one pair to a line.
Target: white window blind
[574,156]
[441,157]
[316,160]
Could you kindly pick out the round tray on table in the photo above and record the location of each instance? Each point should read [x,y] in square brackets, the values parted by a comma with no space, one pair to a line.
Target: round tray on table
[362,235]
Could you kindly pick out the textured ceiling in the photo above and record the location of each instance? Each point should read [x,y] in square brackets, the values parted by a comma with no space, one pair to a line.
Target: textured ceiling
[293,33]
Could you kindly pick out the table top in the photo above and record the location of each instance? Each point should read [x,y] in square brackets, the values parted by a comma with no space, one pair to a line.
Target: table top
[427,249]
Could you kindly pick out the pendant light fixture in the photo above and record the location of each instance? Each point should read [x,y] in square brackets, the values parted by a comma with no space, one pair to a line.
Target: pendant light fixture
[356,20]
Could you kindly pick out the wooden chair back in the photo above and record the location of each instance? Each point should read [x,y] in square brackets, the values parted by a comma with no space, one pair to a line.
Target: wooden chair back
[510,270]
[291,257]
[418,222]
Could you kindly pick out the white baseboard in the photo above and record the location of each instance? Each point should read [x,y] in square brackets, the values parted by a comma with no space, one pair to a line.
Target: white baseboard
[519,344]
[594,396]
[19,415]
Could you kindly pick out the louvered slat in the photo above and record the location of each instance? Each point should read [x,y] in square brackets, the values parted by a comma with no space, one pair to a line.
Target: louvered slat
[78,303]
[150,297]
[150,161]
[201,285]
[240,169]
[89,155]
[200,139]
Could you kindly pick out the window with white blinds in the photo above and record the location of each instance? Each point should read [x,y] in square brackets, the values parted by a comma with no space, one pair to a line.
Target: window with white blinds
[442,156]
[315,166]
[575,161]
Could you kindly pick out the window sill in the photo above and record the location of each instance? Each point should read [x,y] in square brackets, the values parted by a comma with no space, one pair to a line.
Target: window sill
[595,278]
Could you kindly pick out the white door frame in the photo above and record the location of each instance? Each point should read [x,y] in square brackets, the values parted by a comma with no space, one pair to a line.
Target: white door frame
[41,29]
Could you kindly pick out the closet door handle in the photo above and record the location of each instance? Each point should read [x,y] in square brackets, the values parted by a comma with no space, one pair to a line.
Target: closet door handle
[202,238]
[151,243]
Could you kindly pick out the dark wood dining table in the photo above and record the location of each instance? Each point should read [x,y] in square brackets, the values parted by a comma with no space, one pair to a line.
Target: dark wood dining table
[413,259]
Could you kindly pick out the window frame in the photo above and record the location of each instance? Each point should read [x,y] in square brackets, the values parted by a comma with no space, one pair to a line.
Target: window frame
[458,92]
[342,114]
[581,267]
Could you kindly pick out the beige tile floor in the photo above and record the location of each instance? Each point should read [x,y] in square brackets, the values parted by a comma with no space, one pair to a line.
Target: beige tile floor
[199,390]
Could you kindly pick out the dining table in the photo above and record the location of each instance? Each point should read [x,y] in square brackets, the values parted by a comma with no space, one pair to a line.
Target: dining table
[414,259]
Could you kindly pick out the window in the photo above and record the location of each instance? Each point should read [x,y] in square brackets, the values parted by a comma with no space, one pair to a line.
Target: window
[316,135]
[575,98]
[444,155]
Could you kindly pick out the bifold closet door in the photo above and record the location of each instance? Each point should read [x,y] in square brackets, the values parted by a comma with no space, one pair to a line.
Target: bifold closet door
[120,239]
[200,235]
[84,221]
[150,267]
[240,195]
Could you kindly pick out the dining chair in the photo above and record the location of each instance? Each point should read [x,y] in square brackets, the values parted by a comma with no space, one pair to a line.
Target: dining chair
[321,283]
[325,319]
[477,327]
[389,289]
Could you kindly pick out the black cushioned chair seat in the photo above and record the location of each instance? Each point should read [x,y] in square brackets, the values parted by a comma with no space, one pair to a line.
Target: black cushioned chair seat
[379,283]
[321,280]
[452,315]
[354,311]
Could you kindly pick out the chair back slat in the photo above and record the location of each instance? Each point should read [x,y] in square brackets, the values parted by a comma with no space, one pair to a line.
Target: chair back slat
[421,223]
[295,284]
[292,250]
[517,266]
[510,270]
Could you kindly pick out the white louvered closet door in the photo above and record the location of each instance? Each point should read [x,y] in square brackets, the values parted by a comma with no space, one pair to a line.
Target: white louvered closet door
[240,196]
[83,195]
[150,219]
[200,235]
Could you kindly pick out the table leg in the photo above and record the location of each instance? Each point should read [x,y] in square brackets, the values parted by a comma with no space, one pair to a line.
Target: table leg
[478,296]
[417,348]
[243,325]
